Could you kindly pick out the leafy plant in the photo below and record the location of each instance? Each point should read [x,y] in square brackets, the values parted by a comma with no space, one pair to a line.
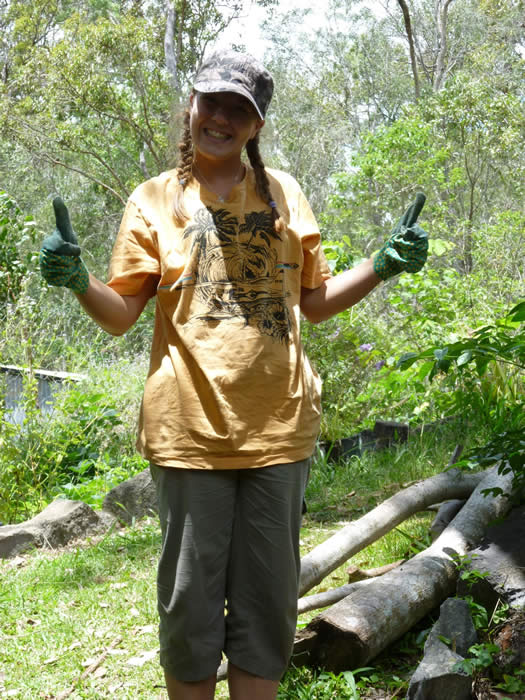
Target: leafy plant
[48,453]
[482,657]
[304,684]
[485,375]
[17,235]
[513,683]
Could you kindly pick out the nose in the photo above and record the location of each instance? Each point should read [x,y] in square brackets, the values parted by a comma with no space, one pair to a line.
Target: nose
[221,114]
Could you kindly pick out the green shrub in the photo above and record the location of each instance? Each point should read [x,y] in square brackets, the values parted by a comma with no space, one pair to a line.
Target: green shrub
[80,450]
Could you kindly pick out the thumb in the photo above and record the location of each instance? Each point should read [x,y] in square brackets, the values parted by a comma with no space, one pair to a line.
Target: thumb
[63,222]
[414,210]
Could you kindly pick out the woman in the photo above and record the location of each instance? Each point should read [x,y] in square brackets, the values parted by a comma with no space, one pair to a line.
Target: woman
[231,406]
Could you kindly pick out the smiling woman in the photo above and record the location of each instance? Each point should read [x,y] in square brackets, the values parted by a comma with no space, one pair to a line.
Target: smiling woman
[231,407]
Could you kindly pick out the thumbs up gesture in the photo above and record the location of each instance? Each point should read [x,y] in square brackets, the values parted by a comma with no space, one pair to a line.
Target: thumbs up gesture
[60,261]
[407,248]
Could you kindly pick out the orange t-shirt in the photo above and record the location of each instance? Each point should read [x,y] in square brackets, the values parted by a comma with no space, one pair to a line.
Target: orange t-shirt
[229,386]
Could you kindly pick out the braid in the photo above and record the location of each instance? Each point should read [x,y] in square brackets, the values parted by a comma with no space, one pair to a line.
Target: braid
[262,184]
[184,173]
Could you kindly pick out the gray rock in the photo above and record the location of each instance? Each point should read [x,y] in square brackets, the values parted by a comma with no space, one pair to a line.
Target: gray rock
[61,522]
[455,624]
[500,559]
[388,433]
[436,676]
[132,499]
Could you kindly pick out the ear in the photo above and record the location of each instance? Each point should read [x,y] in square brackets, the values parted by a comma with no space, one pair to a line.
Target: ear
[257,127]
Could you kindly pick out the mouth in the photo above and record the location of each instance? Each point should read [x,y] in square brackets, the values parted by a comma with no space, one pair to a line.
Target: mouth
[217,135]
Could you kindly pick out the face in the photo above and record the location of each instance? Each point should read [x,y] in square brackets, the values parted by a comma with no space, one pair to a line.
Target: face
[221,124]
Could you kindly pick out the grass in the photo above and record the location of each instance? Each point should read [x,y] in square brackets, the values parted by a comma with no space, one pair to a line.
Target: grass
[61,611]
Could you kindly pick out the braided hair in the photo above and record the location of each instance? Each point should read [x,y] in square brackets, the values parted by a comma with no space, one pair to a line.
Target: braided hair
[185,175]
[262,184]
[184,171]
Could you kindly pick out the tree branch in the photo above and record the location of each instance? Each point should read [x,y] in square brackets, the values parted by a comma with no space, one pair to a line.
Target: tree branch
[410,37]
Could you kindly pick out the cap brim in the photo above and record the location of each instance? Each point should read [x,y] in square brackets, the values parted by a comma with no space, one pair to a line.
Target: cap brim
[208,86]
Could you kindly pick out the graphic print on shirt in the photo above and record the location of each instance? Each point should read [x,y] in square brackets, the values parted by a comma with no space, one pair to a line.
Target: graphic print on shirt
[236,272]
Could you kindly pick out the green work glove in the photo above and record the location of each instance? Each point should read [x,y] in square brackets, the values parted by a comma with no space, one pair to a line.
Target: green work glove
[407,248]
[60,261]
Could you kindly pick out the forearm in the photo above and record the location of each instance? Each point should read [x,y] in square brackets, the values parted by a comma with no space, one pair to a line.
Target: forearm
[339,293]
[111,311]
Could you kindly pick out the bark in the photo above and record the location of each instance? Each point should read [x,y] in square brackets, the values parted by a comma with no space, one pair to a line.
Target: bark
[352,538]
[363,624]
[410,37]
[326,598]
[441,21]
[170,52]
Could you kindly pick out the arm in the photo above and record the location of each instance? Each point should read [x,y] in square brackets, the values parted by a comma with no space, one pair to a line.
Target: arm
[339,293]
[113,312]
[405,251]
[62,266]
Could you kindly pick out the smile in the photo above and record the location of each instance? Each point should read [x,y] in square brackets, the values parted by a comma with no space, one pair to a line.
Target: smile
[217,134]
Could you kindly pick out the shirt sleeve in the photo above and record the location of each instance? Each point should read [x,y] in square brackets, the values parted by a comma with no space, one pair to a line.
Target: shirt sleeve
[302,219]
[135,253]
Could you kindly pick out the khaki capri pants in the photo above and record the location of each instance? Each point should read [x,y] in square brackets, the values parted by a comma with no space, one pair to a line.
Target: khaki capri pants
[229,568]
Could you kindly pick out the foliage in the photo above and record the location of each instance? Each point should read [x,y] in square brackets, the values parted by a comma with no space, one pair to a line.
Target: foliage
[305,684]
[78,449]
[17,236]
[486,373]
[482,657]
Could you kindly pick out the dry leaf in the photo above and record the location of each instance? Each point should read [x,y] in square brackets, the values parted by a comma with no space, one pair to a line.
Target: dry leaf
[142,659]
[17,561]
[103,605]
[113,688]
[134,612]
[100,672]
[52,660]
[118,586]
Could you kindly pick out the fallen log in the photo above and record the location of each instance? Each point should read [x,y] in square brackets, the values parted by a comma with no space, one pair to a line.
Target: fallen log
[357,535]
[356,577]
[355,630]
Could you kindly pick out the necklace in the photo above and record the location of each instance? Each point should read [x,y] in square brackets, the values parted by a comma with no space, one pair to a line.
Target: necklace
[222,198]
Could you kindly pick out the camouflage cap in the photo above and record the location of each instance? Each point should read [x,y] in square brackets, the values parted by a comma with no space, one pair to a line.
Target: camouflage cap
[231,71]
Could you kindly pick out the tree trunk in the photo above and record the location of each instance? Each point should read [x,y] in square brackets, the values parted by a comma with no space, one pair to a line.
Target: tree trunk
[410,37]
[329,555]
[170,52]
[360,626]
[441,27]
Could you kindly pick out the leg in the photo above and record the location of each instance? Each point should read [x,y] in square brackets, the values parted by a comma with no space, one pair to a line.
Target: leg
[198,690]
[263,572]
[243,685]
[196,513]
